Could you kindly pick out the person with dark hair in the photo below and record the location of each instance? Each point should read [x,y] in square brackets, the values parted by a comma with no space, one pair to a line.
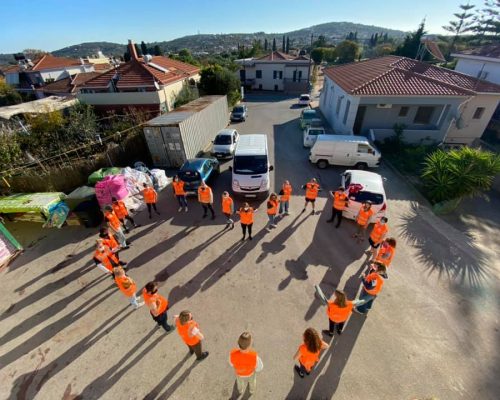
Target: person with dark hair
[309,352]
[122,213]
[180,193]
[105,259]
[377,235]
[339,310]
[340,202]
[115,226]
[206,199]
[312,188]
[189,332]
[272,209]
[285,194]
[228,209]
[109,240]
[372,285]
[150,198]
[386,253]
[158,305]
[246,363]
[362,221]
[246,219]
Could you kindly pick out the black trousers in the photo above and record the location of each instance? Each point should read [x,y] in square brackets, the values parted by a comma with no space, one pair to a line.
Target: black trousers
[340,326]
[244,228]
[338,214]
[196,349]
[206,207]
[149,208]
[161,320]
[128,218]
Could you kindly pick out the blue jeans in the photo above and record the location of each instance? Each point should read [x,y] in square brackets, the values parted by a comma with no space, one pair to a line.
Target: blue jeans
[363,308]
[182,200]
[284,206]
[271,218]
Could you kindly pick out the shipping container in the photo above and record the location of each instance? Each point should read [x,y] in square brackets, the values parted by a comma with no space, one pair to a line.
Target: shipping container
[174,137]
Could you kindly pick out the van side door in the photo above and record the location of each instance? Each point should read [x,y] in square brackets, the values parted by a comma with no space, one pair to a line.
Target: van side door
[344,154]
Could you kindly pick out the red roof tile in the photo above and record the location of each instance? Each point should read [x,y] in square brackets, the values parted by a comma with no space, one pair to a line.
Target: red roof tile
[69,84]
[48,61]
[400,76]
[275,56]
[102,67]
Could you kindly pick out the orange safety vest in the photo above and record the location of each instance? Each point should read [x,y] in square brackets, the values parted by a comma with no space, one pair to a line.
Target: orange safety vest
[113,220]
[287,192]
[150,195]
[378,231]
[364,216]
[205,195]
[312,190]
[111,242]
[160,301]
[385,255]
[120,209]
[274,209]
[179,188]
[105,257]
[339,200]
[126,285]
[246,217]
[227,205]
[306,358]
[379,282]
[244,363]
[184,330]
[339,314]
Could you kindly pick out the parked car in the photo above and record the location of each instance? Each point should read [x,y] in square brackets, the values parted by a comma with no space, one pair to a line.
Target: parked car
[194,170]
[239,113]
[308,117]
[364,186]
[225,143]
[347,150]
[311,133]
[304,100]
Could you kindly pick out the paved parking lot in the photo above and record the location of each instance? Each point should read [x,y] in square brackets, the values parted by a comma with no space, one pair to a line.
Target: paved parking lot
[67,333]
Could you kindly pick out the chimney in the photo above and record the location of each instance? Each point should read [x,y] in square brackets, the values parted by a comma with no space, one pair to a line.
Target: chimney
[132,51]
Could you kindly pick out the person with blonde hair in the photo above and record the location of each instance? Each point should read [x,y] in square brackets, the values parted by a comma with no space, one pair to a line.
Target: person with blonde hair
[339,309]
[228,209]
[246,363]
[272,209]
[246,219]
[190,333]
[127,286]
[308,352]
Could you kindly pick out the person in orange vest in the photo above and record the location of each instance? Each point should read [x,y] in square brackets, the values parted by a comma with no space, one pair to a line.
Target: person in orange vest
[246,219]
[246,363]
[115,226]
[372,285]
[189,332]
[309,351]
[377,235]
[122,213]
[127,286]
[386,253]
[363,220]
[285,194]
[158,305]
[150,198]
[206,199]
[339,309]
[228,209]
[105,259]
[312,188]
[272,209]
[109,240]
[180,193]
[340,202]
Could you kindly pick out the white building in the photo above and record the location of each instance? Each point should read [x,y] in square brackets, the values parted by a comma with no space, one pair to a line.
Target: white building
[482,62]
[277,72]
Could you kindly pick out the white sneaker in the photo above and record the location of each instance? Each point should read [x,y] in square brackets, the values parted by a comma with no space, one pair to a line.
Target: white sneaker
[185,209]
[274,225]
[180,209]
[139,304]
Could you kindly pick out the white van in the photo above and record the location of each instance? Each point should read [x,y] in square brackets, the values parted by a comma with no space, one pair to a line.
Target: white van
[251,166]
[347,150]
[364,186]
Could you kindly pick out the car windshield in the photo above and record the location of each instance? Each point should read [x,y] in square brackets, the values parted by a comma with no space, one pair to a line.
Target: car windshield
[189,176]
[374,198]
[223,139]
[304,97]
[314,132]
[249,165]
[238,109]
[309,115]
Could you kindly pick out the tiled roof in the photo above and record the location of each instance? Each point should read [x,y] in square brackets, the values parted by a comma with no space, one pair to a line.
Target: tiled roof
[275,56]
[69,84]
[137,73]
[102,67]
[490,51]
[48,61]
[400,76]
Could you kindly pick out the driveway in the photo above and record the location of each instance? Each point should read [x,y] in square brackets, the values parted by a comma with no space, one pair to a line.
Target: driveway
[67,333]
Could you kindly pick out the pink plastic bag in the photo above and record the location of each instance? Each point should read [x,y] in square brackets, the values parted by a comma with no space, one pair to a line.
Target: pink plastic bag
[110,186]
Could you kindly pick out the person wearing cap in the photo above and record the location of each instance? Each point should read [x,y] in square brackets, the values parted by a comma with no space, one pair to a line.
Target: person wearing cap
[340,202]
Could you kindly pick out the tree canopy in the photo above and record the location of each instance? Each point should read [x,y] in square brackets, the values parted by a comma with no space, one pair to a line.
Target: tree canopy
[215,79]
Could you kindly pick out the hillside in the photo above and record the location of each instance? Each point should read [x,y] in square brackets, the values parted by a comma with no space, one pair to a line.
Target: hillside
[334,31]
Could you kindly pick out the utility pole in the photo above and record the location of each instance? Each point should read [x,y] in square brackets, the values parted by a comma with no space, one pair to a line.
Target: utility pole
[309,67]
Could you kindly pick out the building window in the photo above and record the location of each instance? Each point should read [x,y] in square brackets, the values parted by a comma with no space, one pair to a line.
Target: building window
[275,88]
[423,115]
[300,75]
[346,112]
[339,103]
[275,74]
[478,113]
[281,74]
[403,111]
[258,74]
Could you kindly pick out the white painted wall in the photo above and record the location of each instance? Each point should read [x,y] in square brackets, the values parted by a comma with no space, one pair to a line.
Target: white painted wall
[60,73]
[474,67]
[268,81]
[330,96]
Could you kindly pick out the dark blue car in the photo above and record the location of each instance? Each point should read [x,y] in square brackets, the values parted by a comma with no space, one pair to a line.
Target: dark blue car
[195,170]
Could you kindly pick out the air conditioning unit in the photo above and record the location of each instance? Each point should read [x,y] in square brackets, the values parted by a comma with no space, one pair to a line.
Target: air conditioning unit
[384,105]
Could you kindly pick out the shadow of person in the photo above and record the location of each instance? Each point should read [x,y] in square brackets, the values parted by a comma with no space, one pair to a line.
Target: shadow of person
[173,387]
[155,392]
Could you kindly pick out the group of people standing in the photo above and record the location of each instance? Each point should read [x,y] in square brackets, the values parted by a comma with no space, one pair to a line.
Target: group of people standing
[244,359]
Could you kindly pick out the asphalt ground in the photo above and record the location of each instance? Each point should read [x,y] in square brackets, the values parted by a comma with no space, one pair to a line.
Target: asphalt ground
[67,333]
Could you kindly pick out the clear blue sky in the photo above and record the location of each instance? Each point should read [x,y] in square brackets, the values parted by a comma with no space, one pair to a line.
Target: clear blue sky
[52,24]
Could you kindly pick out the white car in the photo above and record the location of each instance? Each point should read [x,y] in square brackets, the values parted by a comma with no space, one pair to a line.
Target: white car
[304,100]
[364,186]
[224,143]
[311,133]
